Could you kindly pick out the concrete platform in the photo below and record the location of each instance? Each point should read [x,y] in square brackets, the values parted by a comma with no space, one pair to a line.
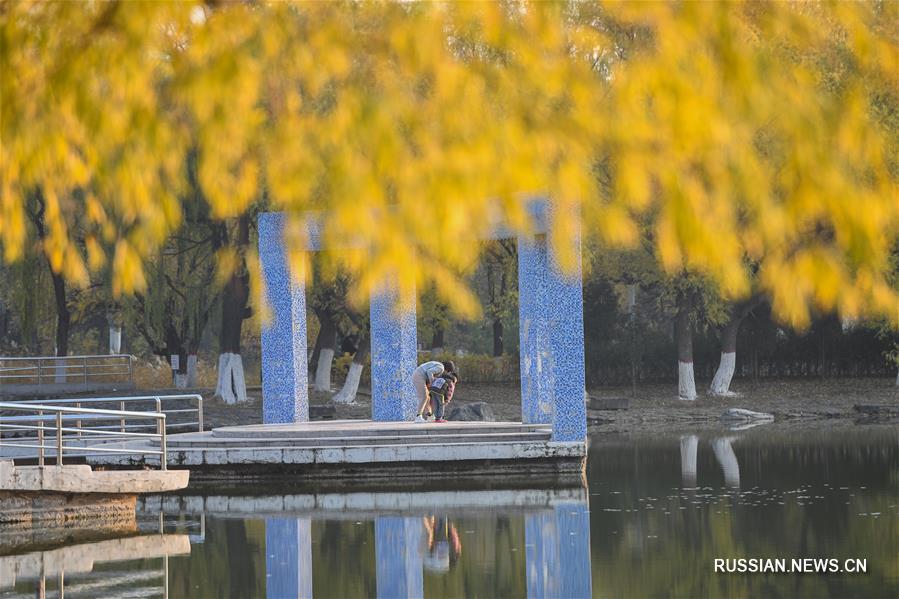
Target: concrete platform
[362,448]
[82,479]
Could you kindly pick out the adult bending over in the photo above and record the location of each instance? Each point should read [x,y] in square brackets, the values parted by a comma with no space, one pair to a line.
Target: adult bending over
[424,375]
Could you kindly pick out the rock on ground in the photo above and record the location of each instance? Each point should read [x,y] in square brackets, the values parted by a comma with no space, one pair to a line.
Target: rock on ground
[738,414]
[472,412]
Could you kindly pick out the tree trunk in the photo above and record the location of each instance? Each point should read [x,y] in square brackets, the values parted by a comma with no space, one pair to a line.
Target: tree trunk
[316,349]
[437,341]
[683,332]
[63,316]
[178,363]
[351,385]
[115,339]
[725,373]
[231,384]
[632,334]
[328,336]
[497,338]
[726,457]
[688,447]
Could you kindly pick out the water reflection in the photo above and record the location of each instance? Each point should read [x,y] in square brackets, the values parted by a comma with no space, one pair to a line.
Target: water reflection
[661,509]
[288,557]
[724,454]
[443,545]
[411,545]
[399,556]
[85,568]
[558,552]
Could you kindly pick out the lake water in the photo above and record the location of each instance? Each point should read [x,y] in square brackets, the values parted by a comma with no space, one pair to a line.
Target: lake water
[655,515]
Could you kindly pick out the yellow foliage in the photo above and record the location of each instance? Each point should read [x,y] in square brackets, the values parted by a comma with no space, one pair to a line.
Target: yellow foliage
[760,132]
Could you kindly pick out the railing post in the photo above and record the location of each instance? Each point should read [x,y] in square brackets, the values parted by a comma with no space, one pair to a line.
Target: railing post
[40,373]
[164,459]
[160,427]
[130,369]
[59,439]
[122,421]
[78,422]
[84,366]
[40,438]
[200,413]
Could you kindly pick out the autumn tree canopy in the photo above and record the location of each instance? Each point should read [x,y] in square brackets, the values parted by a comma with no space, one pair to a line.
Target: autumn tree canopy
[760,134]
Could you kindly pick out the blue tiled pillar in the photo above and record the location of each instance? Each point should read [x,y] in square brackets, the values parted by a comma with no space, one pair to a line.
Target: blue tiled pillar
[398,557]
[565,313]
[284,378]
[557,552]
[551,332]
[288,558]
[533,331]
[393,358]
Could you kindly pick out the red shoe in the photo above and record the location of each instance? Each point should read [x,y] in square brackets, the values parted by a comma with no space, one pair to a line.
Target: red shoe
[440,420]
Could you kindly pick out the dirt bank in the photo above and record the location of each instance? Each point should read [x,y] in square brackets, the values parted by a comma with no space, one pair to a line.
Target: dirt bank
[813,403]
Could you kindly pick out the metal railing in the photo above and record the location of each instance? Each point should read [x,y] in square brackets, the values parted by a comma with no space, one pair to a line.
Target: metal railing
[157,402]
[76,438]
[49,373]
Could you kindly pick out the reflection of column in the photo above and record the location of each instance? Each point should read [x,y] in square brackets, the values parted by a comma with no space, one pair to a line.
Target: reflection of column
[288,557]
[284,388]
[393,358]
[398,557]
[725,455]
[688,446]
[557,552]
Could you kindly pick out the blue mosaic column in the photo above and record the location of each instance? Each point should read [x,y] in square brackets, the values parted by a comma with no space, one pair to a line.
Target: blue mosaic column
[288,558]
[533,331]
[557,552]
[398,557]
[285,394]
[565,312]
[393,358]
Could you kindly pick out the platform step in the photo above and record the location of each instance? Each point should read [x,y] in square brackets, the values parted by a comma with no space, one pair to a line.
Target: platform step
[354,428]
[203,441]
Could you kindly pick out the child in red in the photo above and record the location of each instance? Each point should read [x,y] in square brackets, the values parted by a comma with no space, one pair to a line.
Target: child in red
[441,393]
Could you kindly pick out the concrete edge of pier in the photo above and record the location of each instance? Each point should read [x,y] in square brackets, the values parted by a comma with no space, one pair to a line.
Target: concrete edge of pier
[362,450]
[81,478]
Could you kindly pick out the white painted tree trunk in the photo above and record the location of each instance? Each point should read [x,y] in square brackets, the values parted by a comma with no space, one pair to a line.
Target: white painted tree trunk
[179,380]
[60,372]
[726,457]
[686,384]
[351,385]
[724,375]
[231,385]
[115,339]
[323,371]
[688,447]
[192,370]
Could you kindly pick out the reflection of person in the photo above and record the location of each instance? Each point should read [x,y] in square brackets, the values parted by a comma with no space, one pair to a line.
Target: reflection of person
[444,546]
[422,377]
